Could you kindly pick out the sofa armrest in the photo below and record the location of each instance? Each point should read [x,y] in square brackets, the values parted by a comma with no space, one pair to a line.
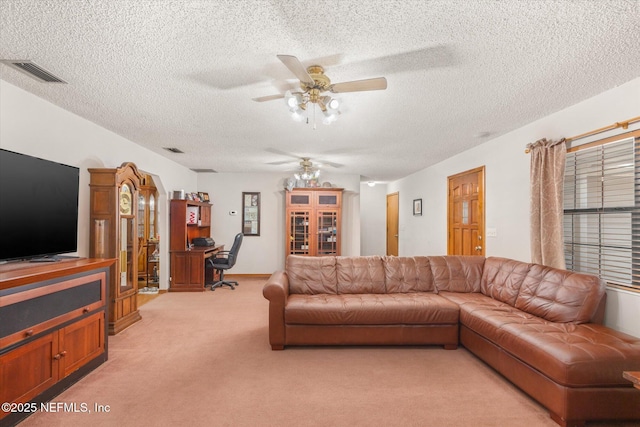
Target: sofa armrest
[276,290]
[277,287]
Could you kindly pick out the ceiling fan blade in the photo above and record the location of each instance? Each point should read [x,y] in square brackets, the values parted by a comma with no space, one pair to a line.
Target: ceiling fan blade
[284,153]
[296,67]
[379,83]
[416,60]
[268,98]
[328,163]
[282,162]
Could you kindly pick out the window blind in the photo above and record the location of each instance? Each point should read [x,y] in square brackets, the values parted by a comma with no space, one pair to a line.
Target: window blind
[602,212]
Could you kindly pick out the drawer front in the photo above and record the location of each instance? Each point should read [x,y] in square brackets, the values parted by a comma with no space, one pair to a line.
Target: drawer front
[43,306]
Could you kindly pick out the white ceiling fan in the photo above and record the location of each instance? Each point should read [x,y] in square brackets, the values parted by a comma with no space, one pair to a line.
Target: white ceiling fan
[313,85]
[301,160]
[307,170]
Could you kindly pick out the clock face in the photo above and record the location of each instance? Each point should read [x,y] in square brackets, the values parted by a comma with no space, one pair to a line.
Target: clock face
[125,203]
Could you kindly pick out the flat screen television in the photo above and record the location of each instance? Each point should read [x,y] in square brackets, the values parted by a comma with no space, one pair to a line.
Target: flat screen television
[38,207]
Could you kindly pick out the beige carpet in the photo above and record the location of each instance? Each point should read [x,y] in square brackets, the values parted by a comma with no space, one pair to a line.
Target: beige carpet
[203,359]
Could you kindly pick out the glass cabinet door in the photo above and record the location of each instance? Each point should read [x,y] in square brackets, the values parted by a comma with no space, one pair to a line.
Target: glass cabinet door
[141,222]
[327,233]
[299,232]
[152,217]
[127,239]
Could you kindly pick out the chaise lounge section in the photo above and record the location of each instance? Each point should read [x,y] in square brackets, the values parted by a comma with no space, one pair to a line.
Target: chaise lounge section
[539,327]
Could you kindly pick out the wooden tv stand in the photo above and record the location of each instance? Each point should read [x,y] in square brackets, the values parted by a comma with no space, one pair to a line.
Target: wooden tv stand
[53,329]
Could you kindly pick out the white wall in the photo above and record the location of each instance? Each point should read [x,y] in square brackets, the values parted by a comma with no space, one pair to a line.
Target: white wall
[373,221]
[266,253]
[507,189]
[33,126]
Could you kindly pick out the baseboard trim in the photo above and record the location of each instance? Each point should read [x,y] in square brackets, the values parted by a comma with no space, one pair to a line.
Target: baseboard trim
[249,276]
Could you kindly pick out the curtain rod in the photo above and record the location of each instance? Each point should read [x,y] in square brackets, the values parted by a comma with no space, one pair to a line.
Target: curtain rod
[623,125]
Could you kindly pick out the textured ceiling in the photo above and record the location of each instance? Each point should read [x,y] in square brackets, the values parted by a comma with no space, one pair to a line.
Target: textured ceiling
[178,73]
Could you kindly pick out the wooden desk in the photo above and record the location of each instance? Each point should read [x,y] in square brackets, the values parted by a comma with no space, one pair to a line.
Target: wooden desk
[634,377]
[188,268]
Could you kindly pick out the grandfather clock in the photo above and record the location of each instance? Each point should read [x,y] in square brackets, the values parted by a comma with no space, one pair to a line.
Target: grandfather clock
[114,225]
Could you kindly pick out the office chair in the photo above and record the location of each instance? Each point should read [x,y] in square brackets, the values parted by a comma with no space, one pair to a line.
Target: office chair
[224,260]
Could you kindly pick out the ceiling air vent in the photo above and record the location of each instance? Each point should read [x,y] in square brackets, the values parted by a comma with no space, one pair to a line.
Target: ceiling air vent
[204,170]
[174,150]
[32,70]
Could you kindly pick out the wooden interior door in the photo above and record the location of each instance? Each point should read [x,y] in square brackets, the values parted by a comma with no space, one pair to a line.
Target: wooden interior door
[392,224]
[466,213]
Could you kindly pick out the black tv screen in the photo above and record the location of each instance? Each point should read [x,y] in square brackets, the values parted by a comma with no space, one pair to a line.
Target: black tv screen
[38,207]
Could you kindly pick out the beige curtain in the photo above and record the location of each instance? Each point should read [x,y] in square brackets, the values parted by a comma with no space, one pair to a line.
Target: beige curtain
[547,180]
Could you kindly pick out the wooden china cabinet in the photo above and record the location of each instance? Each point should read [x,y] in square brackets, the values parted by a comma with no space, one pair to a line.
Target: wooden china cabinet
[114,234]
[148,243]
[313,221]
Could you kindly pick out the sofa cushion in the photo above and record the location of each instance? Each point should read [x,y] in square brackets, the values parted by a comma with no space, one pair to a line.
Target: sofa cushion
[585,355]
[360,275]
[559,295]
[311,275]
[370,309]
[486,316]
[457,273]
[502,278]
[408,274]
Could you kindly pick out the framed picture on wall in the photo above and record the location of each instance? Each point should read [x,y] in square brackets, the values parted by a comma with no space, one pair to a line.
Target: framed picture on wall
[250,214]
[417,207]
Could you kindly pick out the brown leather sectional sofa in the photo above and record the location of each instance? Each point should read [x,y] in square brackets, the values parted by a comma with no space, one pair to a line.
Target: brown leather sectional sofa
[539,327]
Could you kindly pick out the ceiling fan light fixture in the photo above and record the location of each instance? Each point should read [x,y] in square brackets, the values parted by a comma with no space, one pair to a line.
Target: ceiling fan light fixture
[327,120]
[297,115]
[311,174]
[330,116]
[313,83]
[333,104]
[292,103]
[307,175]
[290,100]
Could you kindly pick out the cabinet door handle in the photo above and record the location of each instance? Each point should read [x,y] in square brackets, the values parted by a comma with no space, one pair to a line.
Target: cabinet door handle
[28,333]
[57,356]
[63,354]
[85,310]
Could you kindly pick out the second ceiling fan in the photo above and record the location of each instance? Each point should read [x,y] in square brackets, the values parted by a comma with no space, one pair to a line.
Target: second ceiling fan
[314,83]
